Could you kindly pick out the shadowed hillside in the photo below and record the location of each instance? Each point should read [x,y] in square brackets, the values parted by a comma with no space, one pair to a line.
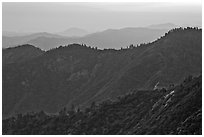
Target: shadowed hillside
[78,75]
[176,111]
[20,54]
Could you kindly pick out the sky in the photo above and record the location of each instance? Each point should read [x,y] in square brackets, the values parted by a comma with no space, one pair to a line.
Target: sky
[59,16]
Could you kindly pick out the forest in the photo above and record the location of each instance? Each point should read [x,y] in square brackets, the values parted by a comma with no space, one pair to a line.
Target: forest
[176,110]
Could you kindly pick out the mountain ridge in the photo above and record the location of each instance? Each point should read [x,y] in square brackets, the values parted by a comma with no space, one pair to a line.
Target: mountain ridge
[77,74]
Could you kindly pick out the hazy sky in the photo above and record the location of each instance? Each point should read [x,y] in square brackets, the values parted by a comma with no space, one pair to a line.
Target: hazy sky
[55,17]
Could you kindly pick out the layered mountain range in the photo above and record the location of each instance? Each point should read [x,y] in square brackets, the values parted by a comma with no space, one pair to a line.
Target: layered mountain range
[76,74]
[109,38]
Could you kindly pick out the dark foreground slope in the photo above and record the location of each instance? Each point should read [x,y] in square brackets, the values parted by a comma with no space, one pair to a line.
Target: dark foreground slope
[77,74]
[167,111]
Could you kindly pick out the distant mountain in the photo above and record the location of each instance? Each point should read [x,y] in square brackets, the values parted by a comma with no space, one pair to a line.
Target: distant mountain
[112,38]
[117,38]
[175,111]
[78,75]
[74,32]
[19,40]
[13,34]
[167,26]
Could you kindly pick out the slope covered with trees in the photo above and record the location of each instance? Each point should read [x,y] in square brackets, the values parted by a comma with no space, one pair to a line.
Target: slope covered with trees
[20,54]
[176,110]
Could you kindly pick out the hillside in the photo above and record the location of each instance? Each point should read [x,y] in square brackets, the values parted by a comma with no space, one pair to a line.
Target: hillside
[174,111]
[20,54]
[77,74]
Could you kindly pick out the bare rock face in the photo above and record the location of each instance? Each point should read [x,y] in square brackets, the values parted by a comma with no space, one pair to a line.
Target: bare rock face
[78,75]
